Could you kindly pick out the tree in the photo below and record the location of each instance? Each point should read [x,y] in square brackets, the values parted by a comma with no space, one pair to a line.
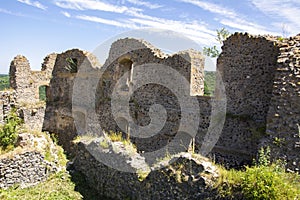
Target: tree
[213,52]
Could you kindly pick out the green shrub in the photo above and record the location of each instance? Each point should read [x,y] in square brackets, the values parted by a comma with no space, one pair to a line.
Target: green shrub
[265,180]
[8,131]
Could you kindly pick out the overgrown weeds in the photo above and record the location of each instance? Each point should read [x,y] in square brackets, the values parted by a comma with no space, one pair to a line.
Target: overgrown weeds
[265,180]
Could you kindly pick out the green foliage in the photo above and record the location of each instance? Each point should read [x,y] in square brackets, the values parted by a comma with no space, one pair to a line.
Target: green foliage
[42,93]
[265,180]
[209,82]
[222,35]
[4,82]
[8,132]
[72,65]
[264,157]
[104,143]
[211,51]
[58,186]
[115,136]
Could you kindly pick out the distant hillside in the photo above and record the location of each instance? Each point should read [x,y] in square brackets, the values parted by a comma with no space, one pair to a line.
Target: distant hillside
[4,82]
[210,78]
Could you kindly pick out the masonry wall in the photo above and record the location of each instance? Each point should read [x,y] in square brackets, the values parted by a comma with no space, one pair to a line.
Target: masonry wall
[94,80]
[58,115]
[27,82]
[283,117]
[25,169]
[8,100]
[247,65]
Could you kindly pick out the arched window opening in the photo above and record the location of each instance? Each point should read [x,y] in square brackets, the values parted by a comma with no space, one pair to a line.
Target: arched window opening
[72,65]
[125,65]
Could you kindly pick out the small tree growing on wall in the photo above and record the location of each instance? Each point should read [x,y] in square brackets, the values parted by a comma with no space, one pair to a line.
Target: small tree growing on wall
[213,52]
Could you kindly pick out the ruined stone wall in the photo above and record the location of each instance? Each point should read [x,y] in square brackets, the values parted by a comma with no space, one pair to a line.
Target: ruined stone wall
[58,114]
[93,80]
[283,117]
[247,65]
[8,100]
[187,177]
[261,77]
[25,169]
[27,82]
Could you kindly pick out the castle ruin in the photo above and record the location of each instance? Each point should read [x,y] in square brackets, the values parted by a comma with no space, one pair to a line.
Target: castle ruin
[261,76]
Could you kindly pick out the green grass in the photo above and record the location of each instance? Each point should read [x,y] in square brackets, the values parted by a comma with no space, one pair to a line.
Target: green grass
[58,186]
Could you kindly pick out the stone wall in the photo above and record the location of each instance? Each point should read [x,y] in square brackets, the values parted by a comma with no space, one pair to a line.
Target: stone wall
[96,85]
[188,177]
[247,65]
[25,169]
[283,117]
[58,116]
[33,159]
[8,100]
[261,77]
[27,82]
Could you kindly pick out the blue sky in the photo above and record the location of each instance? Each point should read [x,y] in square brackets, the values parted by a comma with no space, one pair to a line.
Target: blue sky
[35,28]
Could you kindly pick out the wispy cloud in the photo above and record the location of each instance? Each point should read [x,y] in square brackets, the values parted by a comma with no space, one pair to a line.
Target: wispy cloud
[107,21]
[33,3]
[286,12]
[66,14]
[92,5]
[10,12]
[213,8]
[231,18]
[145,3]
[193,30]
[133,18]
[243,25]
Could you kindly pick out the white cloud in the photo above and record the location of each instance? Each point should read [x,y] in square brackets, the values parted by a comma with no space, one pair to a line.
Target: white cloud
[213,8]
[145,3]
[195,31]
[66,14]
[230,18]
[285,12]
[134,18]
[10,12]
[33,3]
[107,21]
[92,5]
[245,26]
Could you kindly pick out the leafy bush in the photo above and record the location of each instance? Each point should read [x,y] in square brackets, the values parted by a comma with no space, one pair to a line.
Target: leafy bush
[8,131]
[265,180]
